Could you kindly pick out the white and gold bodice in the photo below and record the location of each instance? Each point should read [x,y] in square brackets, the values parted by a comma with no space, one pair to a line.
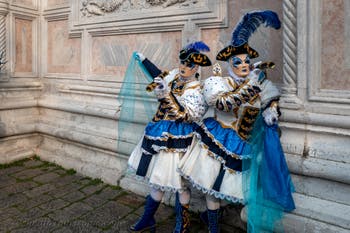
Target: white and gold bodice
[236,105]
[184,101]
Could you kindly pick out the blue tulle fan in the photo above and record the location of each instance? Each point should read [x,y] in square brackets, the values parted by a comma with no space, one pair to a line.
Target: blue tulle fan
[198,45]
[250,22]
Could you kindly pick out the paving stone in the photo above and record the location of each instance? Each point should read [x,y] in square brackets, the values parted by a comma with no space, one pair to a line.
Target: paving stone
[107,214]
[164,212]
[60,171]
[40,190]
[30,215]
[12,200]
[67,180]
[28,173]
[39,225]
[63,230]
[92,188]
[8,224]
[46,177]
[122,225]
[53,207]
[49,169]
[132,200]
[84,181]
[8,213]
[71,212]
[74,196]
[95,201]
[82,227]
[109,193]
[166,227]
[54,204]
[33,163]
[6,181]
[232,216]
[19,187]
[10,170]
[63,190]
[34,202]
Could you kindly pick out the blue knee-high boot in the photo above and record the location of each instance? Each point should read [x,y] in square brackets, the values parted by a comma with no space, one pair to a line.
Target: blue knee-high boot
[204,215]
[147,221]
[213,220]
[182,217]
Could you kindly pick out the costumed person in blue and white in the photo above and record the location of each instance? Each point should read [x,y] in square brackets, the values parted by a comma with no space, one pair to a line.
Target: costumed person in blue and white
[170,133]
[236,155]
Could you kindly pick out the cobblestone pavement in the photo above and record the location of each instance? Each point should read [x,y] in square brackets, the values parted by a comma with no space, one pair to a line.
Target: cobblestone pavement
[37,196]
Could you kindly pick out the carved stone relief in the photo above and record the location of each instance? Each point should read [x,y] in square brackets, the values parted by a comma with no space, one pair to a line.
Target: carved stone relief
[101,7]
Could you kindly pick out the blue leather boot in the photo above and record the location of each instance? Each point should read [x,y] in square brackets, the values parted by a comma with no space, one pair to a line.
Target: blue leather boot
[182,217]
[147,221]
[204,215]
[213,221]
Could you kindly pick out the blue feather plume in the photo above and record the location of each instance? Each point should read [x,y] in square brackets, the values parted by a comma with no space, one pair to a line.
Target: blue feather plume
[250,22]
[198,45]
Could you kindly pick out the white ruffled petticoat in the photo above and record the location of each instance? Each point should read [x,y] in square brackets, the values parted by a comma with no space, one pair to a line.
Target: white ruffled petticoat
[162,172]
[201,170]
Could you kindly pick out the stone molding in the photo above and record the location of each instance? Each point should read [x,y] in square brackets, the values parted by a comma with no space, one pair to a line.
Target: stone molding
[145,15]
[91,8]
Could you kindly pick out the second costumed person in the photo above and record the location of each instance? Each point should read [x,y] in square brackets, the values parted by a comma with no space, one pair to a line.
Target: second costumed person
[168,136]
[236,155]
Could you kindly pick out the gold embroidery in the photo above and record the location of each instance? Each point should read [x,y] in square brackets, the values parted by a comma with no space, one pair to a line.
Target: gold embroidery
[247,121]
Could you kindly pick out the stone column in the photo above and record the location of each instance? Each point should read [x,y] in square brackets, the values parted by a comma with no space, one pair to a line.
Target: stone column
[3,40]
[290,45]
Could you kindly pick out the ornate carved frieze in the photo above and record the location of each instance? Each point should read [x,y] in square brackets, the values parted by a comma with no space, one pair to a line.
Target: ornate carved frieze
[101,7]
[110,17]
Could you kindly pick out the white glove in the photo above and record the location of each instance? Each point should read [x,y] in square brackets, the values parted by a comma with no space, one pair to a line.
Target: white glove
[270,116]
[161,90]
[140,57]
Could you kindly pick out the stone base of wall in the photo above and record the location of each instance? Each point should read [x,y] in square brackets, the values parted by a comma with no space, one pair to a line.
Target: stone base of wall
[86,160]
[18,147]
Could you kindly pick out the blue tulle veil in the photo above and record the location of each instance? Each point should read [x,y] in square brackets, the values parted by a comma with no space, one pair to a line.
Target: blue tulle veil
[137,106]
[267,184]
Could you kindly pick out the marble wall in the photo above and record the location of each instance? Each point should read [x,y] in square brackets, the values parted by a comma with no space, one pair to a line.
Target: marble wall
[63,53]
[67,60]
[24,45]
[335,45]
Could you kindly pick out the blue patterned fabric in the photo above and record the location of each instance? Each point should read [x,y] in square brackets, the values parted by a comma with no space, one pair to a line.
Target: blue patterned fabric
[161,128]
[228,138]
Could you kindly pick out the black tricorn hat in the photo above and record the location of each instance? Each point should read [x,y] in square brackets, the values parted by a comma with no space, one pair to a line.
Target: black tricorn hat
[244,29]
[192,54]
[231,50]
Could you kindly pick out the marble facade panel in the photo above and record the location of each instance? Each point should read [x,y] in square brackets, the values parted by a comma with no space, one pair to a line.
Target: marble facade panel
[53,3]
[111,54]
[23,38]
[63,53]
[335,45]
[27,3]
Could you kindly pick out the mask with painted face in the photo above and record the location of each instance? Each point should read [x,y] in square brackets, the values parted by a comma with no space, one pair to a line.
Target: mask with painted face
[241,65]
[187,69]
